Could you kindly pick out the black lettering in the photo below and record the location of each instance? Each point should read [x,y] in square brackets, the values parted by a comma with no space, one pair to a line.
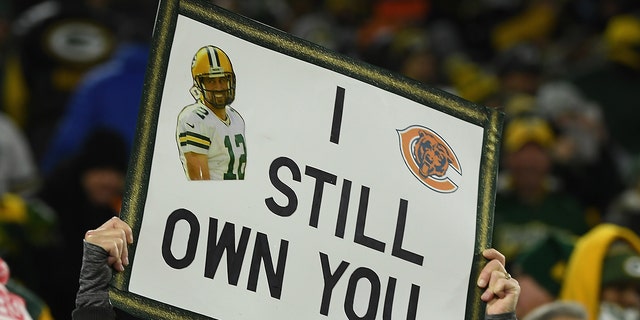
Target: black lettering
[343,208]
[397,250]
[322,177]
[388,299]
[359,236]
[192,243]
[413,302]
[227,243]
[290,208]
[337,115]
[261,252]
[374,297]
[330,281]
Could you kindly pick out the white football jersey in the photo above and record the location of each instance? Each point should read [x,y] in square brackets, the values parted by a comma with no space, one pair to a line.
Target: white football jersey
[199,130]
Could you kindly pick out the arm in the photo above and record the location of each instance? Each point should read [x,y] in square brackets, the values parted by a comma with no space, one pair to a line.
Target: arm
[197,166]
[501,290]
[104,248]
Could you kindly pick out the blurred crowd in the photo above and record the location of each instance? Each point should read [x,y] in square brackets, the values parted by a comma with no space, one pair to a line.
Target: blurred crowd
[566,73]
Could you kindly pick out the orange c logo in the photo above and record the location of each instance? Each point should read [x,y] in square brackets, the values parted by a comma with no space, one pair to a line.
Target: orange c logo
[429,158]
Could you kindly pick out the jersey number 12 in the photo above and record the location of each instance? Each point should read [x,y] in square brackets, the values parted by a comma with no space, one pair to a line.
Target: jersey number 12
[242,160]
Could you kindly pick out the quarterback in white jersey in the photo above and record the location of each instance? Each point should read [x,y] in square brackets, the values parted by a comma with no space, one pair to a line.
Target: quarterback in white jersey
[210,133]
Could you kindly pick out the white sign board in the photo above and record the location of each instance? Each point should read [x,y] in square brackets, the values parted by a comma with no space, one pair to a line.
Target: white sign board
[354,193]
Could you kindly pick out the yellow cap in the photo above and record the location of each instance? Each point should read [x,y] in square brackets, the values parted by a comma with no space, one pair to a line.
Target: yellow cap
[521,131]
[623,38]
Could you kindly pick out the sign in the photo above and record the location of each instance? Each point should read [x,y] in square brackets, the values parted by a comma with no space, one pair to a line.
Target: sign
[340,190]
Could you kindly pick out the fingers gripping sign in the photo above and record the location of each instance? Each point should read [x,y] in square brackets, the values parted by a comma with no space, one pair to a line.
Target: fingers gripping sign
[113,236]
[501,290]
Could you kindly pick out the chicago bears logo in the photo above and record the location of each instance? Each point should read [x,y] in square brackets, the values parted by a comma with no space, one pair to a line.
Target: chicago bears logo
[429,158]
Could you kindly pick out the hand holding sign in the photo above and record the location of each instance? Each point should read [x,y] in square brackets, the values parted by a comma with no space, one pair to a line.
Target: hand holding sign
[501,290]
[113,236]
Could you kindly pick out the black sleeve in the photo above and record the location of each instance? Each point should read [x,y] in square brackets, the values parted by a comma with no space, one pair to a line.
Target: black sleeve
[501,316]
[93,313]
[92,300]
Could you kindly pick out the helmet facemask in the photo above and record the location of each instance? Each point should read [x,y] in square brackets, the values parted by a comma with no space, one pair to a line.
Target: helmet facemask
[218,98]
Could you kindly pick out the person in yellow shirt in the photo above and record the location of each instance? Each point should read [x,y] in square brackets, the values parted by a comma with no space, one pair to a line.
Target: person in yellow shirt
[603,273]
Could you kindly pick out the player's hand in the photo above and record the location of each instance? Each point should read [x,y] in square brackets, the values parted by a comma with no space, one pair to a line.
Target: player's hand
[501,290]
[113,236]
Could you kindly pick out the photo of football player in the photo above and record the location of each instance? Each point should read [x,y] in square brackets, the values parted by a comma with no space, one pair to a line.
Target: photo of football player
[210,133]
